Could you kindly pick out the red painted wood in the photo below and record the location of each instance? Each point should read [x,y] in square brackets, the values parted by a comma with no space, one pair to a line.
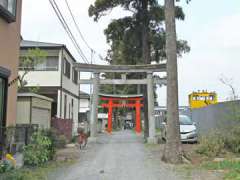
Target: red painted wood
[138,117]
[120,105]
[110,103]
[120,99]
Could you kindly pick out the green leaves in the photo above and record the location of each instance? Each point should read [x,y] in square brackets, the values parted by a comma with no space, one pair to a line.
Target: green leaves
[101,6]
[38,151]
[32,58]
[125,35]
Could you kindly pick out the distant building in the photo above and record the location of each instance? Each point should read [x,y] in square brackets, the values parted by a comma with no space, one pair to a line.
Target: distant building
[202,99]
[84,106]
[55,78]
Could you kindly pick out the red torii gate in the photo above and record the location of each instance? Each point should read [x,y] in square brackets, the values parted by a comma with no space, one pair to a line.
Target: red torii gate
[113,104]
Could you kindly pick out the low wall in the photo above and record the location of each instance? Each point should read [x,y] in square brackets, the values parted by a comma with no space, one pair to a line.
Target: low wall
[63,126]
[222,115]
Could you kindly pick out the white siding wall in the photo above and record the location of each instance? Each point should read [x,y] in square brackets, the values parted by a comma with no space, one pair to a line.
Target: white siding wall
[68,83]
[58,104]
[83,105]
[43,78]
[70,112]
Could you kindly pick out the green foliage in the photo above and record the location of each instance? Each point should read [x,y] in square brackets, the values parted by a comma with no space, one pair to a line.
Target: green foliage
[34,89]
[61,141]
[211,145]
[38,173]
[232,140]
[5,166]
[39,151]
[125,36]
[13,175]
[231,167]
[32,58]
[219,142]
[58,140]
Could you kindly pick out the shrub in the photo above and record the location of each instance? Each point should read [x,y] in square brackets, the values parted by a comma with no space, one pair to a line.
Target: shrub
[38,151]
[58,140]
[74,139]
[232,140]
[5,167]
[61,141]
[12,175]
[211,145]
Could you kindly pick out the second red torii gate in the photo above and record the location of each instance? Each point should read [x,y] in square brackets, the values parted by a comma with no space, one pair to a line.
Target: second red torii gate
[113,104]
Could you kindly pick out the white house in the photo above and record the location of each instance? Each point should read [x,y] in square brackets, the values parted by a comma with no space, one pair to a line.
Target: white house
[55,78]
[84,105]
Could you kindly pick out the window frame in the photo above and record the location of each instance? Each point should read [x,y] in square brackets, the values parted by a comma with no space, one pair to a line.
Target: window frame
[8,15]
[68,75]
[74,76]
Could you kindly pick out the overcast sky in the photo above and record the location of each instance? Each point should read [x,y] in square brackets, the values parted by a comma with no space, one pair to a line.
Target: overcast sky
[212,29]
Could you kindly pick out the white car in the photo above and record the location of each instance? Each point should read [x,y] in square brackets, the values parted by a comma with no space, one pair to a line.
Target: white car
[188,129]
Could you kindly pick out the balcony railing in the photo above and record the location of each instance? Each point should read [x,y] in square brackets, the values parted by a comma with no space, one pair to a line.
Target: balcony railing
[38,68]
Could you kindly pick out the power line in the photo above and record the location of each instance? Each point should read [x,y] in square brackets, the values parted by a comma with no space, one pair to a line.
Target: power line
[80,33]
[67,29]
[77,26]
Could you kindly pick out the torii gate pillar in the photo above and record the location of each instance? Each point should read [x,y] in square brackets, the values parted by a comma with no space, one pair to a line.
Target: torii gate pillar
[110,109]
[94,107]
[151,117]
[138,117]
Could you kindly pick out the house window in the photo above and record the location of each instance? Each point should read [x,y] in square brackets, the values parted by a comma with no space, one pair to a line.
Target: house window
[67,69]
[8,10]
[48,64]
[75,76]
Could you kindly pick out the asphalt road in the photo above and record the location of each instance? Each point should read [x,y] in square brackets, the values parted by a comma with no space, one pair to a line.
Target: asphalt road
[120,156]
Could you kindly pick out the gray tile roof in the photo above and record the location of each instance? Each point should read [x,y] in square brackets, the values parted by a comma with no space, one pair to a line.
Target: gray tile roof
[25,43]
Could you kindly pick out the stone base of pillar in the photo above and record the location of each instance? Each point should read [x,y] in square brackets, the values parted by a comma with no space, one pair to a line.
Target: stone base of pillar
[152,140]
[92,139]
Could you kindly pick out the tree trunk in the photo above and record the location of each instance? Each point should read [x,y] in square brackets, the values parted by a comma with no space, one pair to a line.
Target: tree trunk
[146,60]
[172,151]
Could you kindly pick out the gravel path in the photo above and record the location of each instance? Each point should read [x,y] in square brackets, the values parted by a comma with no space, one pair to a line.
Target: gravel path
[120,156]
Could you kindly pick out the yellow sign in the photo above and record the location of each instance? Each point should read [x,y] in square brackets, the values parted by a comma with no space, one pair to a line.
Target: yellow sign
[202,99]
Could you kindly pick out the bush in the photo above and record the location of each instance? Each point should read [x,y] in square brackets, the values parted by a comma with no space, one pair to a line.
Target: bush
[5,167]
[232,140]
[61,141]
[211,145]
[216,143]
[58,140]
[12,175]
[38,151]
[74,139]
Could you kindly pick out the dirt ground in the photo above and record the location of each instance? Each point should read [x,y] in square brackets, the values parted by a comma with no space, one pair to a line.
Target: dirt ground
[123,155]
